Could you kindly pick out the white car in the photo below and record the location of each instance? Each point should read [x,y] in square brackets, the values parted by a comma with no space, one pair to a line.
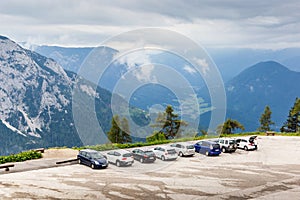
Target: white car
[227,144]
[165,153]
[247,143]
[120,157]
[184,149]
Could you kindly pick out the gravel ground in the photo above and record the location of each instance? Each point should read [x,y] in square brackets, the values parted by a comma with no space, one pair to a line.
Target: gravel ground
[272,172]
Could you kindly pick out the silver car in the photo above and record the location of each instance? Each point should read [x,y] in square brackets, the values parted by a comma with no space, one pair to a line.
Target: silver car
[184,148]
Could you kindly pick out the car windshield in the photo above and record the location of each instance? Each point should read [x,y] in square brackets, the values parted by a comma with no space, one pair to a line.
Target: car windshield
[127,155]
[190,146]
[216,146]
[96,155]
[149,153]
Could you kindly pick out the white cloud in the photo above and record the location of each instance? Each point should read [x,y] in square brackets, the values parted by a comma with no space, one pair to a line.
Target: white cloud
[204,66]
[138,64]
[189,69]
[89,22]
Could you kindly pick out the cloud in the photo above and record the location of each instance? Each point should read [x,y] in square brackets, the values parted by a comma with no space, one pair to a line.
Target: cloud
[256,24]
[189,69]
[204,66]
[138,64]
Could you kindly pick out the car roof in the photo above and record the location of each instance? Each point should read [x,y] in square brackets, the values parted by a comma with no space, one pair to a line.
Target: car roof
[121,151]
[185,143]
[165,147]
[227,138]
[208,141]
[88,150]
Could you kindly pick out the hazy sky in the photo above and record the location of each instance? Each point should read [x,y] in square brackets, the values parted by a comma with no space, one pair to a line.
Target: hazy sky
[223,23]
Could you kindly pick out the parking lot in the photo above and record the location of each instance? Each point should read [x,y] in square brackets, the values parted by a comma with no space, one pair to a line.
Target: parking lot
[272,172]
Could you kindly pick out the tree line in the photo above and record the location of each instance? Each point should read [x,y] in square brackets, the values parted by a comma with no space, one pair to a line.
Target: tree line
[170,124]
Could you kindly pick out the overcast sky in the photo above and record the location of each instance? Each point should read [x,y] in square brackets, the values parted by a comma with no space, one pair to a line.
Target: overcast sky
[224,23]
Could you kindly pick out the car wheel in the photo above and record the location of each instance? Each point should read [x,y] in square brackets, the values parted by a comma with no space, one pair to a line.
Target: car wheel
[180,154]
[141,160]
[118,163]
[79,161]
[163,158]
[93,166]
[206,153]
[223,150]
[245,148]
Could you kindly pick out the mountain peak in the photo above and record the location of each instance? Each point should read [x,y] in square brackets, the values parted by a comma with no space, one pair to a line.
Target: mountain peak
[267,66]
[3,38]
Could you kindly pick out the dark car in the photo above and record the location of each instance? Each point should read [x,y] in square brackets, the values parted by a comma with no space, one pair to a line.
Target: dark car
[92,158]
[208,148]
[143,156]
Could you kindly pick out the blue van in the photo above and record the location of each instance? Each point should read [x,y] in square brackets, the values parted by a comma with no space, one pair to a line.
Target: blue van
[209,148]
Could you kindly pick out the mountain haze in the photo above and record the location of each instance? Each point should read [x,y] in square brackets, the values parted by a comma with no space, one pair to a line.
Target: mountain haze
[266,83]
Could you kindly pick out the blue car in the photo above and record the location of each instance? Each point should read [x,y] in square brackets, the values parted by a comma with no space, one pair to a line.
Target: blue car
[209,148]
[92,158]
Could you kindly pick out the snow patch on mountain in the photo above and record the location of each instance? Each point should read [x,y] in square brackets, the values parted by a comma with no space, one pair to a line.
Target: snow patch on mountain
[12,128]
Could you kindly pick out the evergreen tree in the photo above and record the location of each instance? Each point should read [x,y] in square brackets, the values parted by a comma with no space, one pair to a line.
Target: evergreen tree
[119,131]
[114,132]
[265,120]
[229,127]
[292,123]
[125,132]
[169,123]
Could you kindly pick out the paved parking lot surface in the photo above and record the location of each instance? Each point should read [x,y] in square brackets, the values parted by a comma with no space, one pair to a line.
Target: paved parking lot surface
[272,172]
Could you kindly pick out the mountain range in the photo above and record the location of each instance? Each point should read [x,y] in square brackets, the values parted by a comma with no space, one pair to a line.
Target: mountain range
[230,61]
[252,81]
[37,94]
[37,103]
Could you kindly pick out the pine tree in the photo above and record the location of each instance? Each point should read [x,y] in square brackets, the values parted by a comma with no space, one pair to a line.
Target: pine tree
[292,123]
[114,132]
[265,120]
[169,123]
[119,131]
[229,127]
[125,132]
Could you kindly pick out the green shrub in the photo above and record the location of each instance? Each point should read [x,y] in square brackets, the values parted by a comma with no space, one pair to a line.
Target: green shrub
[20,157]
[156,136]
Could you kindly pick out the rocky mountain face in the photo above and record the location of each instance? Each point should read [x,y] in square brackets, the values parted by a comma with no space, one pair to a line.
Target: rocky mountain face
[36,101]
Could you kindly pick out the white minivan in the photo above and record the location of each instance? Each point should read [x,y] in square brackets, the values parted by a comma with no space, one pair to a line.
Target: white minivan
[165,153]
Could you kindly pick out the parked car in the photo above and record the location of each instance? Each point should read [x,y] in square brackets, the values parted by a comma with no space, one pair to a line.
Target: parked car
[120,157]
[165,153]
[227,144]
[248,143]
[208,147]
[92,158]
[143,155]
[184,149]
